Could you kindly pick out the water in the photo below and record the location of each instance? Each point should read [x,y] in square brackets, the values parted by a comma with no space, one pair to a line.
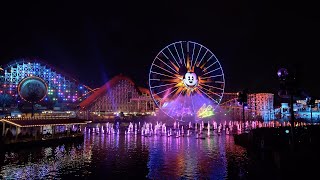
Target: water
[130,156]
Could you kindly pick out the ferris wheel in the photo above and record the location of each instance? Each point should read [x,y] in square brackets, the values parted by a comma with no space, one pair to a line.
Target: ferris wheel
[186,81]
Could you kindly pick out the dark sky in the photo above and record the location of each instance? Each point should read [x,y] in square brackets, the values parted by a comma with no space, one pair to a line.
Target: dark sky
[96,41]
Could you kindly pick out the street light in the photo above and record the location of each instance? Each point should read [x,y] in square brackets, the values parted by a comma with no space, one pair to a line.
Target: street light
[287,90]
[283,73]
[311,102]
[242,99]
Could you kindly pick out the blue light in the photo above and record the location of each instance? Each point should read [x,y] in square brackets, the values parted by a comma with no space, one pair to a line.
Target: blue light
[287,131]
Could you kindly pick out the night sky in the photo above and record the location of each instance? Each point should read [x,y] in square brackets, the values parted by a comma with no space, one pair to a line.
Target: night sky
[94,41]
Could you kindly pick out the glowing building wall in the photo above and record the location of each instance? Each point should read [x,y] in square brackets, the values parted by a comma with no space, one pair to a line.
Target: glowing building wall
[301,111]
[262,105]
[61,89]
[120,94]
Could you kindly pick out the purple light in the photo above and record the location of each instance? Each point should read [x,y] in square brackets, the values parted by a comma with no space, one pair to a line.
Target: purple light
[282,73]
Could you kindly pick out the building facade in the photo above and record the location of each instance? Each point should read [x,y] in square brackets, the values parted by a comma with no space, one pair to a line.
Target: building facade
[261,104]
[301,111]
[259,107]
[63,91]
[118,96]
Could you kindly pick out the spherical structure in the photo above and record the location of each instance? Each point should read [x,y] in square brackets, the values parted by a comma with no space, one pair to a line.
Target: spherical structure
[32,89]
[186,80]
[62,88]
[282,73]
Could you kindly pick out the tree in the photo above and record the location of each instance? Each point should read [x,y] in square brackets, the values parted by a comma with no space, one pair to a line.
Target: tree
[311,101]
[242,99]
[33,95]
[5,100]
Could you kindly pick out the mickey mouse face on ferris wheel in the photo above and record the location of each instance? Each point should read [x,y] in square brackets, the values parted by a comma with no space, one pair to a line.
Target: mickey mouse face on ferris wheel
[182,70]
[190,79]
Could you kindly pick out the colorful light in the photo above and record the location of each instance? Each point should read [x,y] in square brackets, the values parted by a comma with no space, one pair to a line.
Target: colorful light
[53,79]
[205,111]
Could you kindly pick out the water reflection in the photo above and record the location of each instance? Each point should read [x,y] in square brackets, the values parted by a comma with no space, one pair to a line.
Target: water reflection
[46,162]
[103,156]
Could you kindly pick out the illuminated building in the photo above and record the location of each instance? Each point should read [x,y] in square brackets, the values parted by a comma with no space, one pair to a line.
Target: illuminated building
[261,104]
[259,107]
[62,89]
[301,110]
[118,95]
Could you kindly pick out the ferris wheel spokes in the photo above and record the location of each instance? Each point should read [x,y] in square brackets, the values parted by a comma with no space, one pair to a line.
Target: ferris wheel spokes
[203,57]
[162,85]
[210,65]
[181,72]
[212,86]
[164,69]
[211,71]
[209,96]
[169,60]
[184,59]
[177,53]
[173,57]
[167,64]
[195,61]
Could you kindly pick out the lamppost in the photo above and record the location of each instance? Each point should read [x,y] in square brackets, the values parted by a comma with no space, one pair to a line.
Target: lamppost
[287,90]
[269,114]
[311,103]
[242,99]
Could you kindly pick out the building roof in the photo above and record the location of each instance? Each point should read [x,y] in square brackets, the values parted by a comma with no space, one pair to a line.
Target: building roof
[43,122]
[103,89]
[42,62]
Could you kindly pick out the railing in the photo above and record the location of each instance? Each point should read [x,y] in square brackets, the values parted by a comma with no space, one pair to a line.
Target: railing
[41,137]
[38,118]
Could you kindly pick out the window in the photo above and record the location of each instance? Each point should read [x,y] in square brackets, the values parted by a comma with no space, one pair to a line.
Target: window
[129,96]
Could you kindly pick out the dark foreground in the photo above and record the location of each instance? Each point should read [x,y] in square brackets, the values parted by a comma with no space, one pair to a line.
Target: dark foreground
[273,147]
